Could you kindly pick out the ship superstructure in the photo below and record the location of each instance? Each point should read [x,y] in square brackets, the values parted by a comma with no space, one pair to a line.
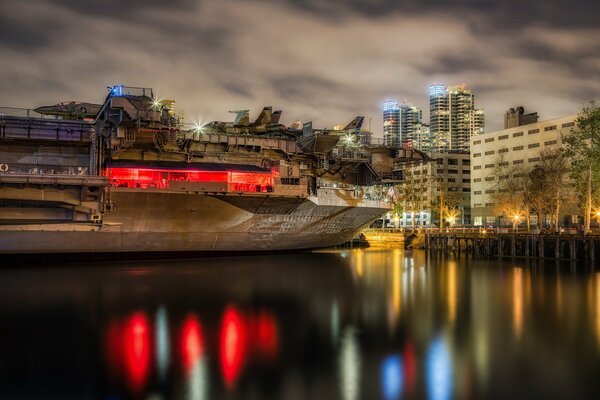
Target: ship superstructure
[136,178]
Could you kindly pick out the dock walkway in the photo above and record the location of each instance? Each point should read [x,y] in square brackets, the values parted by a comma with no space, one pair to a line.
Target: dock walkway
[511,243]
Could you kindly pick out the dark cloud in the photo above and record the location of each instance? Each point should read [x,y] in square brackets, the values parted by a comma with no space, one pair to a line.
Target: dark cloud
[492,13]
[321,60]
[237,88]
[124,9]
[454,63]
[23,35]
[301,87]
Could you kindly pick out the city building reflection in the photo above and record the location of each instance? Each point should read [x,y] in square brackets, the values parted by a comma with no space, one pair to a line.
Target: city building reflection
[392,379]
[163,347]
[349,364]
[439,371]
[389,324]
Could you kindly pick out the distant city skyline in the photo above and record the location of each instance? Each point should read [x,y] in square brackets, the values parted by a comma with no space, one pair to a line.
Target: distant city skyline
[320,61]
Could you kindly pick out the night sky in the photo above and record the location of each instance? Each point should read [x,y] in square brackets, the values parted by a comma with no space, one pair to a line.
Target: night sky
[325,61]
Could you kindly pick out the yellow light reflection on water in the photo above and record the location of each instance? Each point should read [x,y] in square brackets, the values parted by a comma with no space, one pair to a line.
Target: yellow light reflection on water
[597,309]
[517,301]
[358,257]
[559,297]
[349,364]
[452,291]
[396,284]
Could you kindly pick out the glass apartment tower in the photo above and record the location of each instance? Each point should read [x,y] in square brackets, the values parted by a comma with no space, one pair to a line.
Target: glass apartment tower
[453,117]
[399,122]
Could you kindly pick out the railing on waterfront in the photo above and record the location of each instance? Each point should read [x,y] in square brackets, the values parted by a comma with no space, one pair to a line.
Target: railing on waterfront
[566,244]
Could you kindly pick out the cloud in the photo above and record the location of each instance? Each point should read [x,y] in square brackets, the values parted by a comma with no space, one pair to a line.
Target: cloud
[320,61]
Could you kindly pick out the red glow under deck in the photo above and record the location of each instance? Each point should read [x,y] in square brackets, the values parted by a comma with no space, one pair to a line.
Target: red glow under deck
[158,178]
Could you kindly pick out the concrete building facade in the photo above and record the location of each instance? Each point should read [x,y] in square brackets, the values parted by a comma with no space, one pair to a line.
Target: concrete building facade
[448,172]
[516,146]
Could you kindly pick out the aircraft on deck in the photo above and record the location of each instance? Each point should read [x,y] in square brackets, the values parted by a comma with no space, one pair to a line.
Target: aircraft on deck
[268,123]
[71,110]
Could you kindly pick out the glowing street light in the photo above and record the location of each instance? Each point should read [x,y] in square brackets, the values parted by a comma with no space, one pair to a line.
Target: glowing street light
[198,127]
[516,220]
[349,139]
[451,217]
[157,104]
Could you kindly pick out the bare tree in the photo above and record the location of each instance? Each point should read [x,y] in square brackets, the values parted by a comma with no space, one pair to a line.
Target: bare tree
[412,195]
[509,198]
[554,167]
[445,198]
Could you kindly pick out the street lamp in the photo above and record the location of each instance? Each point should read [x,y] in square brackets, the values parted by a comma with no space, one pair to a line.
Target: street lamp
[516,219]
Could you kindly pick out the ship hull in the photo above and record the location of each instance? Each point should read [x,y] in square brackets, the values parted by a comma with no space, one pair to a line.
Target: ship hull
[146,221]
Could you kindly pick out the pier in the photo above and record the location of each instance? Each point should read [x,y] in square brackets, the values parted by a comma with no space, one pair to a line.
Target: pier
[508,243]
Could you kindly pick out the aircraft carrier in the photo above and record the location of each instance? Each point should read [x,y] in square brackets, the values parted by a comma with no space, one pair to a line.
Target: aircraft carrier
[129,175]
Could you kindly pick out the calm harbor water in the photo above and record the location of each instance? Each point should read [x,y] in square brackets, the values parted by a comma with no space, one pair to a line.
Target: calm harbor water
[351,324]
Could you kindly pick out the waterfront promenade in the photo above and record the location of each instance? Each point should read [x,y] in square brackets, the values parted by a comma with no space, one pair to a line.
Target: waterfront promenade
[568,244]
[503,242]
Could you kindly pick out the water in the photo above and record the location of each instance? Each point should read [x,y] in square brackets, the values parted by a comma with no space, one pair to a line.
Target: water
[353,324]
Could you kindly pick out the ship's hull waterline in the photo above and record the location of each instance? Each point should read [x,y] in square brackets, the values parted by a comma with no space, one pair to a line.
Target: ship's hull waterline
[146,221]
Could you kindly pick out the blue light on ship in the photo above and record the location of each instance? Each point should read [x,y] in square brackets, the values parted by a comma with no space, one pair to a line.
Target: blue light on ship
[439,371]
[392,377]
[117,90]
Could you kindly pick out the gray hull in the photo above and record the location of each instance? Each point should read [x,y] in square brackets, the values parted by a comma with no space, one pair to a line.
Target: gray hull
[146,221]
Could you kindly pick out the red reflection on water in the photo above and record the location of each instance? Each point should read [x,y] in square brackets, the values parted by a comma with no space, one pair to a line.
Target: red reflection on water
[232,345]
[113,347]
[136,350]
[267,336]
[192,343]
[410,368]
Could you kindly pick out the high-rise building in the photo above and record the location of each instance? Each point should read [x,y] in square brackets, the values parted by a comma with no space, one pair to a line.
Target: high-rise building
[421,139]
[391,123]
[453,117]
[399,122]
